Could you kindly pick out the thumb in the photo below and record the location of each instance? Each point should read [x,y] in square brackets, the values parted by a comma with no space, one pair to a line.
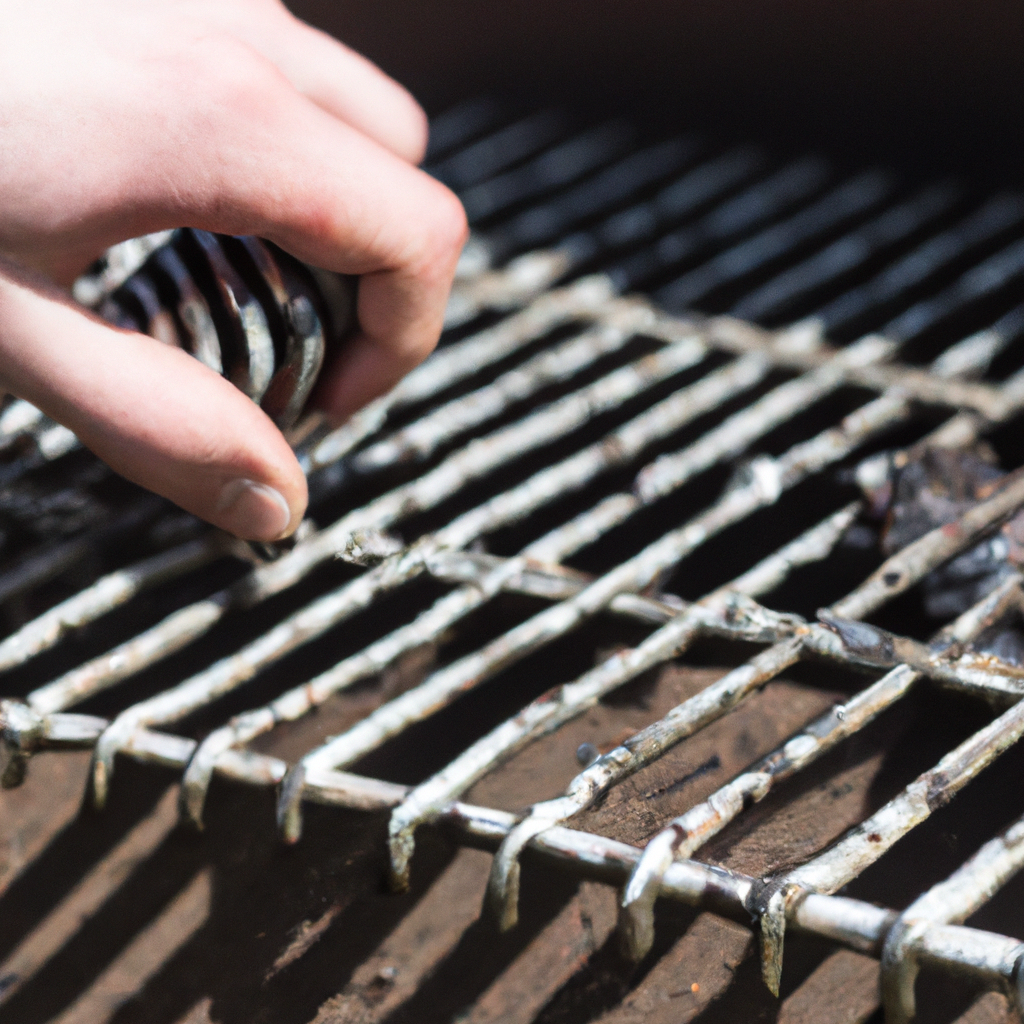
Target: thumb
[153,413]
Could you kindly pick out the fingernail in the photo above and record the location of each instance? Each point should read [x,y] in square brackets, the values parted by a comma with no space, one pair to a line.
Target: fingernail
[253,511]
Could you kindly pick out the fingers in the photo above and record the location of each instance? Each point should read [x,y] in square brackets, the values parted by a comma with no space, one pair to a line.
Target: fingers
[154,414]
[238,149]
[336,78]
[350,87]
[335,198]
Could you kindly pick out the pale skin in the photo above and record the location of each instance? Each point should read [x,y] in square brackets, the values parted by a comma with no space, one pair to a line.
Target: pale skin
[122,117]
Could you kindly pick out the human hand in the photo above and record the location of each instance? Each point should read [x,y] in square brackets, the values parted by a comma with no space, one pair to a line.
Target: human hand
[122,117]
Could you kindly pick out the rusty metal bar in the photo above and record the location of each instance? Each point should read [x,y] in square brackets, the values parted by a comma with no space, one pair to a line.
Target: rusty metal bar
[476,459]
[553,365]
[470,462]
[902,570]
[615,449]
[600,324]
[949,902]
[106,594]
[858,925]
[768,481]
[684,835]
[556,708]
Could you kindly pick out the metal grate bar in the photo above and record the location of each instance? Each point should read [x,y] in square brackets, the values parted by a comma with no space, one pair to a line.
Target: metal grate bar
[684,835]
[951,901]
[836,208]
[475,460]
[544,223]
[555,709]
[848,253]
[106,594]
[474,666]
[558,166]
[631,575]
[533,272]
[900,570]
[991,220]
[497,151]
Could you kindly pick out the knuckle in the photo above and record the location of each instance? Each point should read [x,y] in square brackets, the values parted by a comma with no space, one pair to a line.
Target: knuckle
[237,83]
[418,349]
[446,232]
[417,132]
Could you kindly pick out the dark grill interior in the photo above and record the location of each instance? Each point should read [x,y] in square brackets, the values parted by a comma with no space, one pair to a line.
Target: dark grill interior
[559,598]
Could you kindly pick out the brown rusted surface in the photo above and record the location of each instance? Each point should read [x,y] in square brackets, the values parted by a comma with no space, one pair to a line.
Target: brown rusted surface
[340,711]
[695,972]
[31,816]
[144,956]
[561,951]
[800,824]
[698,766]
[843,989]
[199,1014]
[991,1008]
[544,769]
[88,897]
[395,969]
[151,924]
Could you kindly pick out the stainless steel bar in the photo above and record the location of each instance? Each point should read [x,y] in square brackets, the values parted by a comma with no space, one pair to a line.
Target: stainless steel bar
[855,924]
[860,926]
[51,558]
[574,472]
[673,204]
[984,279]
[106,594]
[684,835]
[933,789]
[428,626]
[566,702]
[974,355]
[667,472]
[949,902]
[596,196]
[753,208]
[901,571]
[476,459]
[634,574]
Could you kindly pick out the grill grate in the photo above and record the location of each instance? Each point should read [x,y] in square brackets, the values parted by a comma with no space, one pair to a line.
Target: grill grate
[560,398]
